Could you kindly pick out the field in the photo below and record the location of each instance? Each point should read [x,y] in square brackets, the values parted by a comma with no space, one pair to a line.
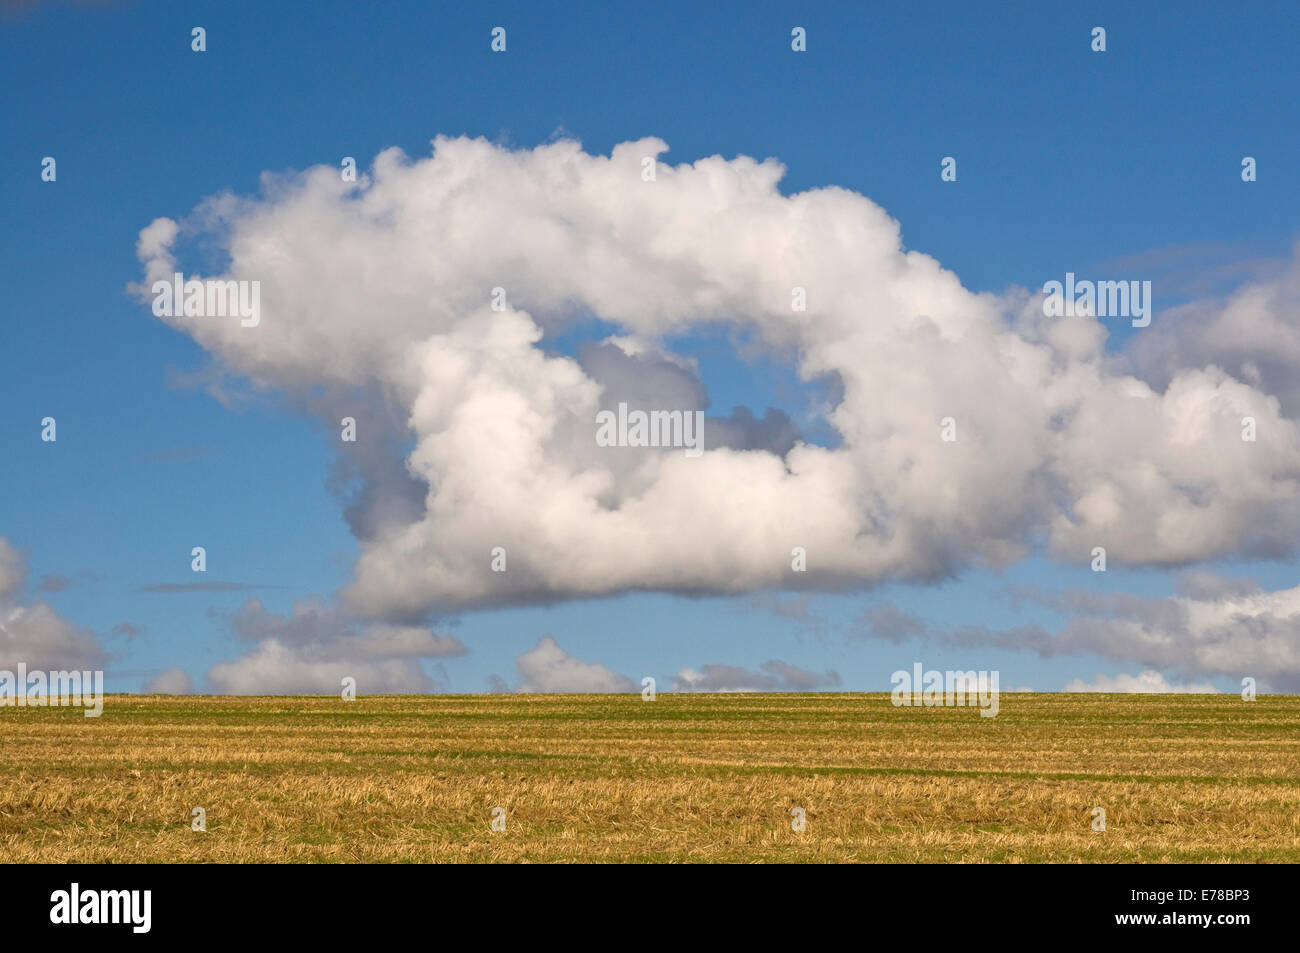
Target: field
[683,778]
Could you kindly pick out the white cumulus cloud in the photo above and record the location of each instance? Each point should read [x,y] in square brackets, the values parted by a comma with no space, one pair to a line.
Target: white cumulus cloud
[548,668]
[376,303]
[1149,682]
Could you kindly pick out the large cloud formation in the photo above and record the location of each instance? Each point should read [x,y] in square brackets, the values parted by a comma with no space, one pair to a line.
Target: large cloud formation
[376,303]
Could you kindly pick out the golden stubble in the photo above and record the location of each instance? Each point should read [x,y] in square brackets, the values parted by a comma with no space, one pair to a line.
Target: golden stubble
[683,778]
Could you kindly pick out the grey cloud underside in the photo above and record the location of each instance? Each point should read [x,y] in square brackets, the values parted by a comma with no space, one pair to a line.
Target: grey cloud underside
[653,381]
[1253,333]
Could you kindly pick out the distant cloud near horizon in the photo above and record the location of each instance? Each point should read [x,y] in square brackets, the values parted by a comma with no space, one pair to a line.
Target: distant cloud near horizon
[174,681]
[315,646]
[1215,626]
[547,668]
[1148,682]
[774,676]
[36,635]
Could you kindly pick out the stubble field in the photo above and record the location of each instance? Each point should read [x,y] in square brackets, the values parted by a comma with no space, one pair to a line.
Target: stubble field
[683,778]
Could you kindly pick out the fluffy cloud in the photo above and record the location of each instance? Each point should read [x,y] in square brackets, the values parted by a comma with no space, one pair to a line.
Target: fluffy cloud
[1226,627]
[375,303]
[1253,334]
[775,676]
[35,634]
[1149,682]
[548,668]
[315,647]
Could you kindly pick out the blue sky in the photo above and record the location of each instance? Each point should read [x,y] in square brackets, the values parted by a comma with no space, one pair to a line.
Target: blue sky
[1069,160]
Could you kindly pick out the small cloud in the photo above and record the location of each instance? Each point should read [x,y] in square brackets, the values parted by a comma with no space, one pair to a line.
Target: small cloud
[775,676]
[225,388]
[888,622]
[57,582]
[1149,682]
[174,681]
[548,668]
